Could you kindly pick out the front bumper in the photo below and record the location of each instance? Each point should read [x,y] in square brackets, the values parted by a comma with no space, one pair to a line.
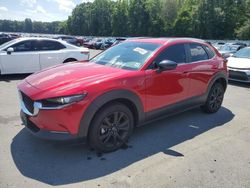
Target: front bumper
[239,75]
[45,134]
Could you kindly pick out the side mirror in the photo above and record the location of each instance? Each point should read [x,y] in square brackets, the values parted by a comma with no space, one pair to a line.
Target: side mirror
[10,50]
[166,65]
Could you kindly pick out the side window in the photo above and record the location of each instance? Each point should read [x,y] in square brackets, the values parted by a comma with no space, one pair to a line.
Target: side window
[23,46]
[174,53]
[197,53]
[47,45]
[209,51]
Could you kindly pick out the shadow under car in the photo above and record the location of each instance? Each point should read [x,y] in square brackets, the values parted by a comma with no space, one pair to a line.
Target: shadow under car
[60,164]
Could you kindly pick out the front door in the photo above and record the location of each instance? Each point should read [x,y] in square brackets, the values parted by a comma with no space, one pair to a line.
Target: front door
[23,60]
[168,87]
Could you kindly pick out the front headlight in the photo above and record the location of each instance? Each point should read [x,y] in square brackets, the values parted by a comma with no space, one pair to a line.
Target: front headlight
[66,100]
[60,102]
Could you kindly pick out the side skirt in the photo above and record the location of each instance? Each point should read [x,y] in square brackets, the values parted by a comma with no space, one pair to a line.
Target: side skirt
[173,109]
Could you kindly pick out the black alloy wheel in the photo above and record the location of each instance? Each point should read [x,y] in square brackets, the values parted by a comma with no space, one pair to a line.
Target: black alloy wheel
[215,98]
[114,129]
[111,128]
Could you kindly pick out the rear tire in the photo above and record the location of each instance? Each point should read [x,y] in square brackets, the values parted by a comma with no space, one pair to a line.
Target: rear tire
[214,99]
[111,128]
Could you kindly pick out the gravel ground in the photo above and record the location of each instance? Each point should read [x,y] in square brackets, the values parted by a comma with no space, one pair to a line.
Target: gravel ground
[191,149]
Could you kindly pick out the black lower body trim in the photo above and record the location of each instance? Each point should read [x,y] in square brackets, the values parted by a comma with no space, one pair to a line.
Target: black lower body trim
[176,108]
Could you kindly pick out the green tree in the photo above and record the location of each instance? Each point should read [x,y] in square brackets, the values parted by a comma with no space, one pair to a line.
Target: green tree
[185,22]
[120,18]
[155,22]
[28,25]
[243,31]
[208,19]
[138,18]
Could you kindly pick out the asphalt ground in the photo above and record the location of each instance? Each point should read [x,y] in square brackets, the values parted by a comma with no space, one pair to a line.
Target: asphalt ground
[191,149]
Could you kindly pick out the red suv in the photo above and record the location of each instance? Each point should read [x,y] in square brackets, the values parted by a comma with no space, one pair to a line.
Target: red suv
[125,86]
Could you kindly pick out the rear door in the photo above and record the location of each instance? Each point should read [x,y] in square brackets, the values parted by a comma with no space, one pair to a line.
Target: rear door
[24,59]
[50,53]
[202,65]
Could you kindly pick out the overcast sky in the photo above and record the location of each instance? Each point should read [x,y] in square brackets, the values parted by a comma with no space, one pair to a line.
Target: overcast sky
[38,10]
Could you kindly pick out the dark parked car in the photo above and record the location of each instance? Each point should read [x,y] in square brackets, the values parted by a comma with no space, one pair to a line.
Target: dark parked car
[71,40]
[90,43]
[6,38]
[240,44]
[103,100]
[118,41]
[98,43]
[107,43]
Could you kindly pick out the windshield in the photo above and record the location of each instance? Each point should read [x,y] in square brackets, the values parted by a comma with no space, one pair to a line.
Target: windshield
[243,53]
[128,55]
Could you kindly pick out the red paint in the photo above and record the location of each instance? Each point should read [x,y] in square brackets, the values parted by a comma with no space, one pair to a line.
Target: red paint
[155,90]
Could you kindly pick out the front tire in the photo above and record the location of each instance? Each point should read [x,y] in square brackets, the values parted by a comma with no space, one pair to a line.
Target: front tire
[215,99]
[111,128]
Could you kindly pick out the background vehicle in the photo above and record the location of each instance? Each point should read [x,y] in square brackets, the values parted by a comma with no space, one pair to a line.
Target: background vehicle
[71,40]
[98,43]
[107,43]
[239,65]
[6,37]
[228,50]
[90,43]
[118,41]
[123,87]
[218,45]
[28,55]
[240,44]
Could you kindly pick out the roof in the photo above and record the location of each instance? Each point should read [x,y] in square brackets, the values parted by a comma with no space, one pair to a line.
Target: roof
[166,40]
[35,38]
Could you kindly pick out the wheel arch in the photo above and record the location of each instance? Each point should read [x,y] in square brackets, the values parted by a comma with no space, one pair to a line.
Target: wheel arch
[218,77]
[126,97]
[69,59]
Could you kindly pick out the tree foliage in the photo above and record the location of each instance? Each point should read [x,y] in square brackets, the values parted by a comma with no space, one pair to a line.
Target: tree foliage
[30,26]
[210,19]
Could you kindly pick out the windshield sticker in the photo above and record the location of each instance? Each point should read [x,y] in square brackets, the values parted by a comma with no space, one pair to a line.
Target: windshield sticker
[140,50]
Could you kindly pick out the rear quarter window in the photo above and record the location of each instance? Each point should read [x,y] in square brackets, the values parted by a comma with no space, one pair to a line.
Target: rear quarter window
[197,53]
[209,51]
[50,45]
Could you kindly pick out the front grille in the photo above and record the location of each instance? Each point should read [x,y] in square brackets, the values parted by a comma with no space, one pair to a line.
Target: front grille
[238,75]
[28,102]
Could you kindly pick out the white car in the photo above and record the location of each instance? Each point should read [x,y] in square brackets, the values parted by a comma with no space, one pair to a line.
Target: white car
[239,66]
[28,55]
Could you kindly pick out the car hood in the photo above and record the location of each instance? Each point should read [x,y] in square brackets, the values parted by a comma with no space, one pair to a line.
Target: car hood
[242,63]
[72,75]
